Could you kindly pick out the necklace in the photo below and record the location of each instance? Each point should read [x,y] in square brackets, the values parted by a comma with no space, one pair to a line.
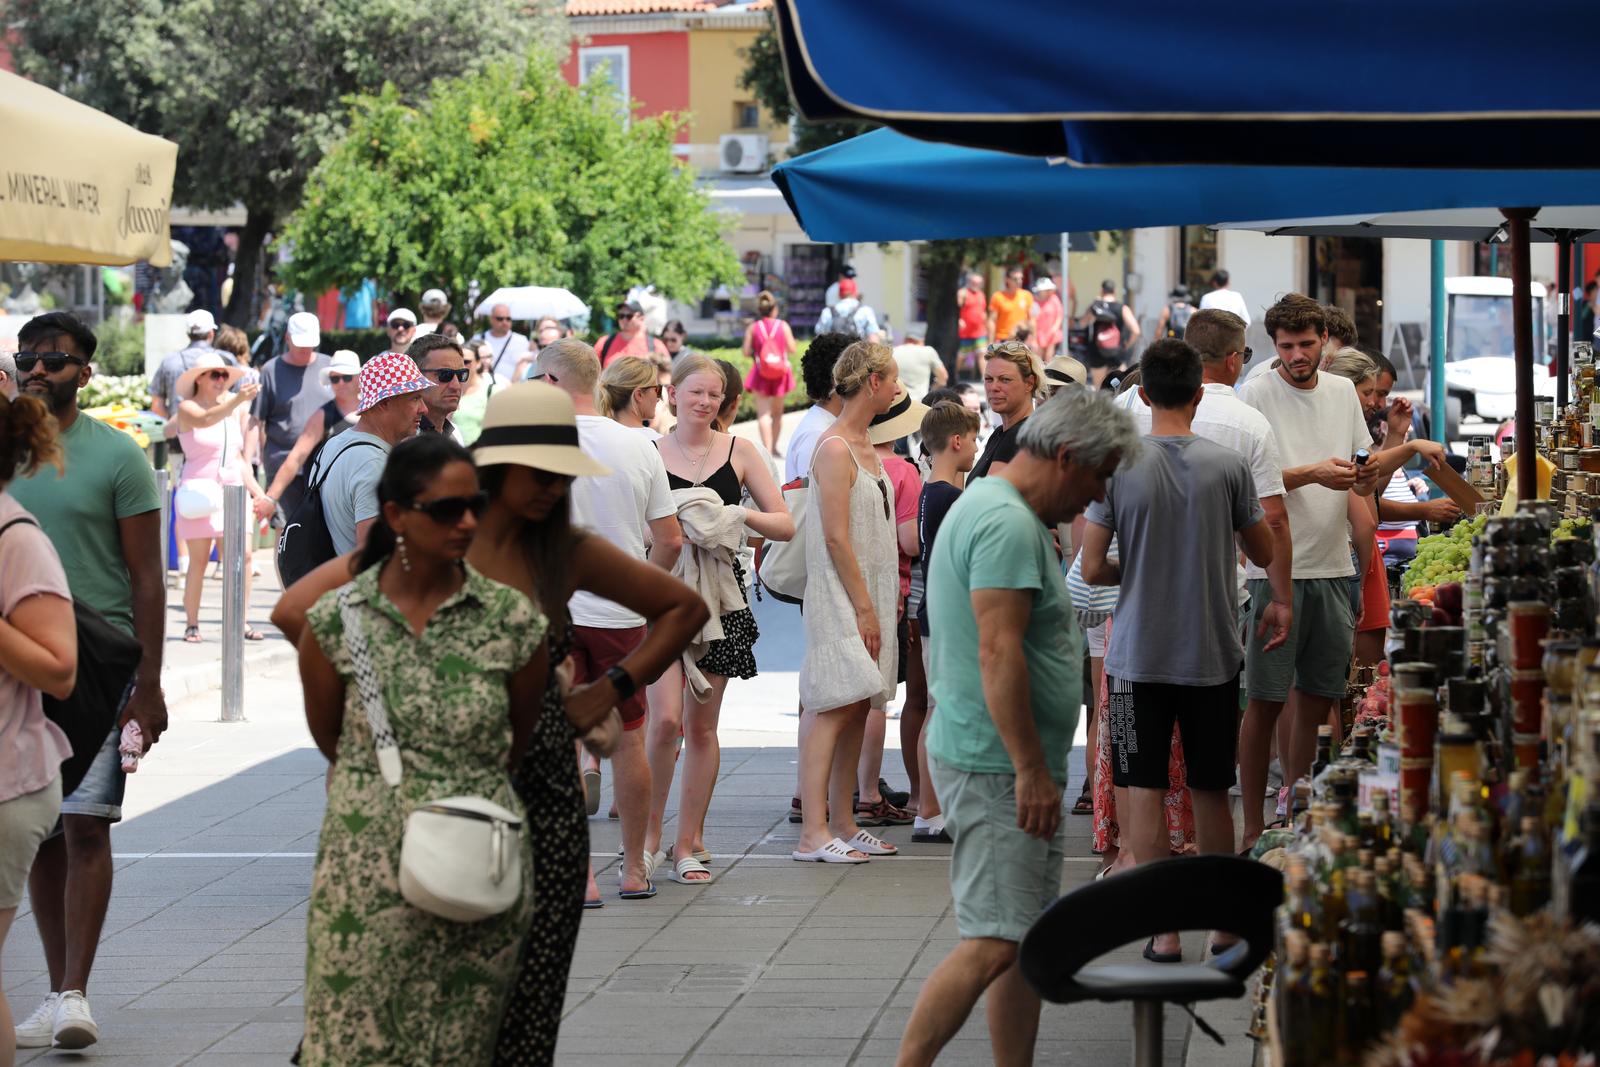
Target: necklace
[700,463]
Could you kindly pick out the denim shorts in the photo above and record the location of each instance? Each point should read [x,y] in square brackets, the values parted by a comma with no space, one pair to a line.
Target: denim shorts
[1000,877]
[100,793]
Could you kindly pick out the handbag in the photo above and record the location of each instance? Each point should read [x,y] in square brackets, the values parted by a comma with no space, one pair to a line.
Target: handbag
[460,856]
[107,658]
[781,565]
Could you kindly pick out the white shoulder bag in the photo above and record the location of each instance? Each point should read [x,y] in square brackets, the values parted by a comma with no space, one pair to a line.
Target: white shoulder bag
[781,565]
[461,857]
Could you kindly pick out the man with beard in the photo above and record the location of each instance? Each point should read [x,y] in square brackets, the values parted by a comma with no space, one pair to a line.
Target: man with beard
[103,515]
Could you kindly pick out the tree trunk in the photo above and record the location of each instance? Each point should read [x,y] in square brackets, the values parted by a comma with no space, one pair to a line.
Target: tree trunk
[943,333]
[244,305]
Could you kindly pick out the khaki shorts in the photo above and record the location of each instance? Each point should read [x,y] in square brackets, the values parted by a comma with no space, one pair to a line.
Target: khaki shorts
[24,822]
[1000,877]
[1316,658]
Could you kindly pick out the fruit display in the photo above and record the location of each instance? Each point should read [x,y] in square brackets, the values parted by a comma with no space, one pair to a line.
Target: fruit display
[1442,557]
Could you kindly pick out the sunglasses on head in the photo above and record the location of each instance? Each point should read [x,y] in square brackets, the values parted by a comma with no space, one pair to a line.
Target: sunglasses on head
[53,361]
[549,478]
[400,324]
[444,374]
[340,379]
[449,509]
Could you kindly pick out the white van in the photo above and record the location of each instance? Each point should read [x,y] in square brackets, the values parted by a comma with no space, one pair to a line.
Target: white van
[1480,379]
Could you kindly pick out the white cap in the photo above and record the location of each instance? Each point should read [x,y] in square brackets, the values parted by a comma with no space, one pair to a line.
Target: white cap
[304,330]
[403,313]
[434,297]
[199,323]
[1044,285]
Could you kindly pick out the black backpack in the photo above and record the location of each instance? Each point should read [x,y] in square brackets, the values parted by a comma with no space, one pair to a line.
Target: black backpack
[306,542]
[1178,317]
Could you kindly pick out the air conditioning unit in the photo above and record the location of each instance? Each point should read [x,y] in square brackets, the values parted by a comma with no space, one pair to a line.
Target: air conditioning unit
[743,153]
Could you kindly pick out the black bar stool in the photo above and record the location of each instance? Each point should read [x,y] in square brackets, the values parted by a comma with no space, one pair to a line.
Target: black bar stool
[1227,893]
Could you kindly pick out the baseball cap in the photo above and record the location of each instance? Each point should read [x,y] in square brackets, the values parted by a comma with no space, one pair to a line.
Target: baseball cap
[390,374]
[847,271]
[631,305]
[403,313]
[434,297]
[199,322]
[304,330]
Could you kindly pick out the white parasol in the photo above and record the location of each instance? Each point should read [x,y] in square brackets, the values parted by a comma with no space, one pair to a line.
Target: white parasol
[529,303]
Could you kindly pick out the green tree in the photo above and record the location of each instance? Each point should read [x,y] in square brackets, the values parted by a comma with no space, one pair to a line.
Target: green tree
[764,76]
[252,90]
[508,177]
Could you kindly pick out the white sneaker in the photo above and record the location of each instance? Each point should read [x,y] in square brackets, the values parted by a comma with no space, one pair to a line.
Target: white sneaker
[38,1029]
[75,1027]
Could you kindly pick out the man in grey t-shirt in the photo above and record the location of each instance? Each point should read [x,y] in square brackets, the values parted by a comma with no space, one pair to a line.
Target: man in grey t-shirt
[291,389]
[390,410]
[1174,655]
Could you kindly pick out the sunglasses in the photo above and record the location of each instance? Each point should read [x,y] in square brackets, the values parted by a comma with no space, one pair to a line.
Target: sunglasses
[218,376]
[548,478]
[883,488]
[500,318]
[53,361]
[400,324]
[450,509]
[340,379]
[444,374]
[624,316]
[1245,354]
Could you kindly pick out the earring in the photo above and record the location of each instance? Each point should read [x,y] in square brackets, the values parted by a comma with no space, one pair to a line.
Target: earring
[400,549]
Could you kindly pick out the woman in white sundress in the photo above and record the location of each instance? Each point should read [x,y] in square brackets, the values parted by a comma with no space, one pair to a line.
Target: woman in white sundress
[852,591]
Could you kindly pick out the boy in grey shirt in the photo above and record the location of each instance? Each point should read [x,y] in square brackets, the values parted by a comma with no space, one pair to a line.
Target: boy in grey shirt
[1174,654]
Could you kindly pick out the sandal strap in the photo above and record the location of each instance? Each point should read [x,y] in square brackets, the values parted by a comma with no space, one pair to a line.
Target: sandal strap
[837,847]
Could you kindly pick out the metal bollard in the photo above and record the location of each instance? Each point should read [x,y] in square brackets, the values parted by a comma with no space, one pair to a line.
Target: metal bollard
[235,535]
[163,486]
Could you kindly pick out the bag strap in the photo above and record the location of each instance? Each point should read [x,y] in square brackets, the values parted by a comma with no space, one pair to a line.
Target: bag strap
[335,459]
[605,349]
[355,636]
[21,520]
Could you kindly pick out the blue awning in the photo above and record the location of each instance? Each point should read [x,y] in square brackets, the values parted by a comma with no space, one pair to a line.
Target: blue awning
[1421,83]
[885,186]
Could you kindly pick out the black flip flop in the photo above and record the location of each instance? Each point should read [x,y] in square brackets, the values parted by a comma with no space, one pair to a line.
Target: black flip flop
[1153,956]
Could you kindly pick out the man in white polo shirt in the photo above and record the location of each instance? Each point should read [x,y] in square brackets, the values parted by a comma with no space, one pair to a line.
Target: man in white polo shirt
[620,506]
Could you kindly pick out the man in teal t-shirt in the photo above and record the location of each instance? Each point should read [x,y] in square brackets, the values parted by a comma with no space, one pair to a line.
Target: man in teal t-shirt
[103,515]
[1006,674]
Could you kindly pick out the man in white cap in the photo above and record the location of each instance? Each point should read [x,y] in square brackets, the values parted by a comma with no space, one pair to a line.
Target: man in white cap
[202,330]
[402,327]
[351,464]
[435,306]
[291,390]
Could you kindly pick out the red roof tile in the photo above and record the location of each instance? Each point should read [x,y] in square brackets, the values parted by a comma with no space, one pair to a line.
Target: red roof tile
[592,8]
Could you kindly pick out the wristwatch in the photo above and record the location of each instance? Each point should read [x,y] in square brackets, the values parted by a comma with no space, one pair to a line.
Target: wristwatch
[622,682]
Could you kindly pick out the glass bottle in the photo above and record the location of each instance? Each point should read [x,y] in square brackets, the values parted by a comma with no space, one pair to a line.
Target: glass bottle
[1324,752]
[1360,935]
[1323,1002]
[1382,822]
[1395,991]
[1358,1021]
[1301,912]
[1292,1003]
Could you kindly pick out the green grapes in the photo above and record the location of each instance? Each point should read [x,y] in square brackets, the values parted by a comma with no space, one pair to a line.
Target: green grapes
[1443,557]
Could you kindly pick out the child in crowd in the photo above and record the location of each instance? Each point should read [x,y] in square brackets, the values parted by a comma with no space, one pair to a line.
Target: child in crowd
[950,437]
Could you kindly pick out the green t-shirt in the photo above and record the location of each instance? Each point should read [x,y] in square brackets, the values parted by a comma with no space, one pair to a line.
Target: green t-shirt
[106,478]
[991,539]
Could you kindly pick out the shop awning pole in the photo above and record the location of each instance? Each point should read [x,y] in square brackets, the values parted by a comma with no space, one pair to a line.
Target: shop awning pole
[1563,315]
[1522,324]
[1438,398]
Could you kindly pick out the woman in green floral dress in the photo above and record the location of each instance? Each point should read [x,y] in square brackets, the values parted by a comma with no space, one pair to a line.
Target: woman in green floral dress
[462,663]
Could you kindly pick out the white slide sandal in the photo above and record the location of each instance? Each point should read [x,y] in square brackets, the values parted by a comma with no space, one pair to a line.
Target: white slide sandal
[872,846]
[835,851]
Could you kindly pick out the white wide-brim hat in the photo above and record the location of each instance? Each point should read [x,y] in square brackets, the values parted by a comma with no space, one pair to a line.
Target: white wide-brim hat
[344,361]
[903,418]
[532,424]
[205,363]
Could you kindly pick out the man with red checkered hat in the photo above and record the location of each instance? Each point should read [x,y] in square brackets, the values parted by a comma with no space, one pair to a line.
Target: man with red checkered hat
[389,411]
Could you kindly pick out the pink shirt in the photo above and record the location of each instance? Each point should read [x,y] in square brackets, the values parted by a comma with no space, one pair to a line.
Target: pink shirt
[31,746]
[907,491]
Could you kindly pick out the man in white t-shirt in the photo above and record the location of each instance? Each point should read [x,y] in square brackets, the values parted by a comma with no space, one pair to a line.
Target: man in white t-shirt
[1319,425]
[1224,299]
[634,497]
[506,346]
[921,369]
[816,371]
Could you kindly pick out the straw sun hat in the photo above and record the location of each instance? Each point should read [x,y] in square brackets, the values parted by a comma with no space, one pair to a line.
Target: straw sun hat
[532,424]
[904,417]
[205,364]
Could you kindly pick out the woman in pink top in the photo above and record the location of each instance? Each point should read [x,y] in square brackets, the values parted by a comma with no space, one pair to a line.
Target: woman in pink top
[38,651]
[1047,338]
[211,429]
[768,344]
